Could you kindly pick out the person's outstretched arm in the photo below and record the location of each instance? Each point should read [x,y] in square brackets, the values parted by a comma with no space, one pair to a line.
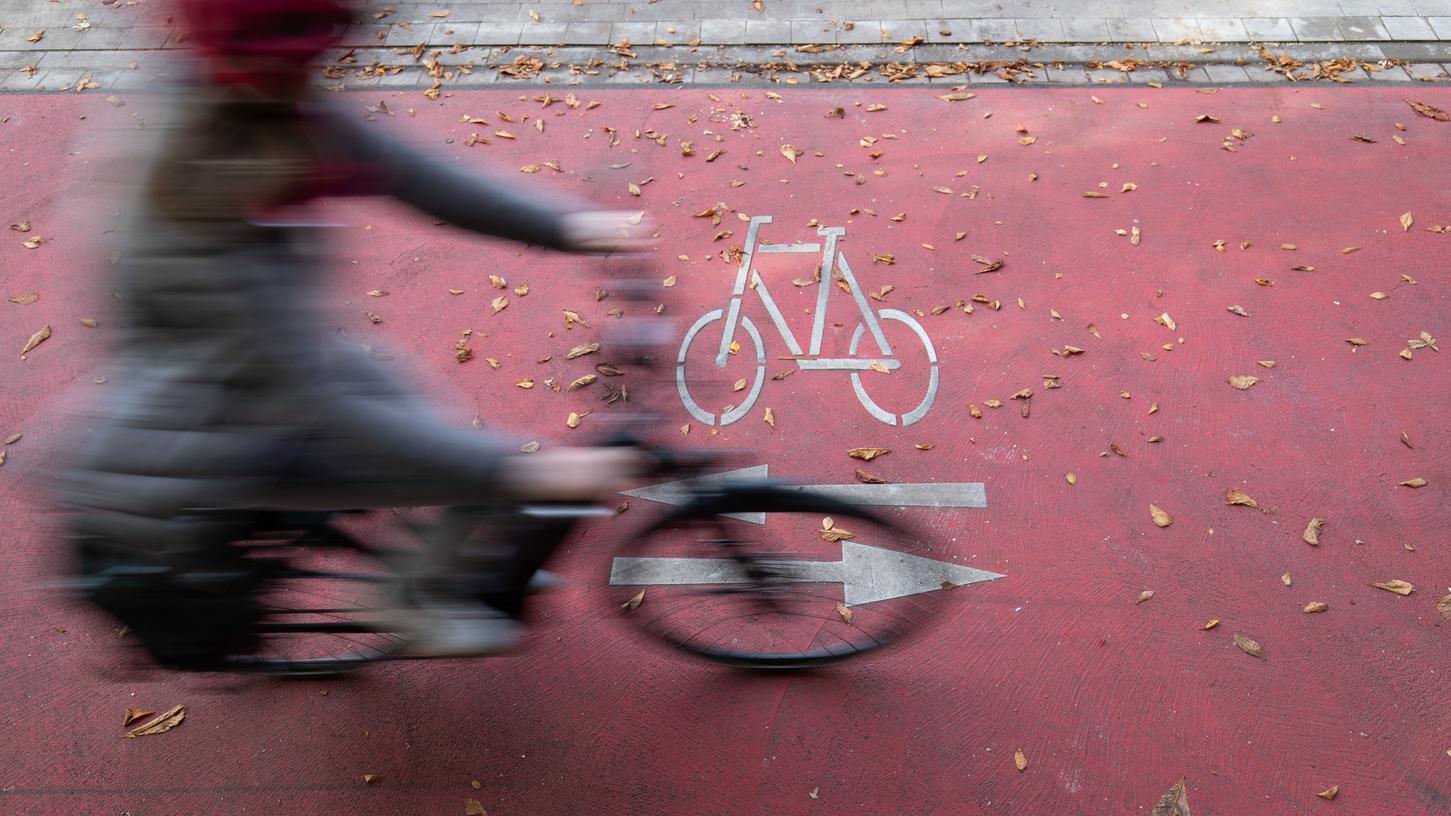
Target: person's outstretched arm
[474,201]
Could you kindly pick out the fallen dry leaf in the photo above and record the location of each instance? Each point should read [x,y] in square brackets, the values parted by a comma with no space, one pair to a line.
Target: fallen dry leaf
[1311,535]
[1072,479]
[790,152]
[867,454]
[1243,381]
[160,724]
[1406,221]
[1210,624]
[1173,803]
[1316,606]
[1329,793]
[24,300]
[769,418]
[1161,519]
[1144,596]
[867,478]
[1444,607]
[35,340]
[1395,585]
[844,611]
[134,714]
[634,603]
[1235,495]
[1248,646]
[1285,579]
[1429,111]
[1416,482]
[500,303]
[473,807]
[1020,760]
[369,779]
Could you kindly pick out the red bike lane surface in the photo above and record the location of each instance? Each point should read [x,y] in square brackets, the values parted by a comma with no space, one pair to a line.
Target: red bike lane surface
[1110,697]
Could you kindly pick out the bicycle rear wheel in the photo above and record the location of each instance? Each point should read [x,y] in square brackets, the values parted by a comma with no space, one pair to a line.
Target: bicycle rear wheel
[819,582]
[323,601]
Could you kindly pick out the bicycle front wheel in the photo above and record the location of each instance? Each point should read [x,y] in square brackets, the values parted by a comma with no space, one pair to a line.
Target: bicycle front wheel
[774,577]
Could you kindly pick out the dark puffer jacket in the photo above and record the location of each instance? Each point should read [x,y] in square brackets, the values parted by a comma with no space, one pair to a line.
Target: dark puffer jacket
[225,368]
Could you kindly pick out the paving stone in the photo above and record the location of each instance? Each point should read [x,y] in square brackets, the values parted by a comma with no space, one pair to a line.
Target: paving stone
[1043,30]
[1131,30]
[997,30]
[864,32]
[1425,69]
[638,33]
[548,34]
[1442,27]
[1077,29]
[1223,29]
[1390,73]
[683,31]
[1363,28]
[1173,30]
[810,32]
[767,32]
[1107,76]
[1067,75]
[398,37]
[1269,29]
[1147,75]
[1316,29]
[727,32]
[1408,28]
[1226,73]
[499,33]
[899,31]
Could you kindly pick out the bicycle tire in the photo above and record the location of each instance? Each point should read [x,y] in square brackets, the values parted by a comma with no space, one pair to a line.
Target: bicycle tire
[362,637]
[671,612]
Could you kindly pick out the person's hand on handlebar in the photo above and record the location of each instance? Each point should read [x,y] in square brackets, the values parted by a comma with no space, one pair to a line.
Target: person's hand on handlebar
[573,474]
[607,231]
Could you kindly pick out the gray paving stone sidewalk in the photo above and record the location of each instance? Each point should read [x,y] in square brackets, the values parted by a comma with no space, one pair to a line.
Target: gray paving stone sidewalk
[55,44]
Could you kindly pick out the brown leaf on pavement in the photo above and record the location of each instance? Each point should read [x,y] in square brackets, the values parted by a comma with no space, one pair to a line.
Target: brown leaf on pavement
[867,454]
[159,724]
[1329,793]
[634,603]
[1416,482]
[1395,585]
[1429,111]
[1020,760]
[1161,518]
[868,478]
[134,714]
[1316,606]
[24,300]
[1210,624]
[1444,607]
[35,340]
[1406,221]
[1243,381]
[1311,535]
[1248,646]
[1234,496]
[844,611]
[769,418]
[473,807]
[1144,596]
[1172,803]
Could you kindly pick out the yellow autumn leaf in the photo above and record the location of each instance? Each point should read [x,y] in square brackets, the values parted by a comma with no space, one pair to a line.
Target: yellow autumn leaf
[1160,518]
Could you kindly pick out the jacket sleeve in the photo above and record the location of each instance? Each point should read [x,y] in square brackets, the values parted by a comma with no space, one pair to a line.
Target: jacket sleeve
[465,199]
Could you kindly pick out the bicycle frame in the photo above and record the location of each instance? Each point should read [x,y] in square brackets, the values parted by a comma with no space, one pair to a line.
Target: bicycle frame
[810,360]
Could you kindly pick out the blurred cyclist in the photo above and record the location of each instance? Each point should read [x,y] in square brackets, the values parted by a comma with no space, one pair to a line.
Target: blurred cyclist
[232,393]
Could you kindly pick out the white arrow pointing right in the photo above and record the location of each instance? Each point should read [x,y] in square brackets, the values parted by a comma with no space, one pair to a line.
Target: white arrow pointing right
[867,574]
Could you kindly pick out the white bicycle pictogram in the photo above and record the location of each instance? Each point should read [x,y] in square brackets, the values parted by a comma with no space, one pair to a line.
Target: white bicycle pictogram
[810,360]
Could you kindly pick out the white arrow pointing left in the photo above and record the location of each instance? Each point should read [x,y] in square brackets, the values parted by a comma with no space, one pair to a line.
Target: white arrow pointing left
[867,574]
